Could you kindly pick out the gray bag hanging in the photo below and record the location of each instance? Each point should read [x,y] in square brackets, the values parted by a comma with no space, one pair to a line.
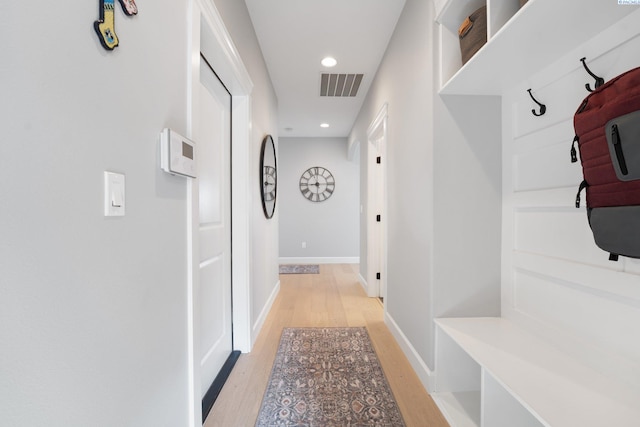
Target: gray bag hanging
[607,126]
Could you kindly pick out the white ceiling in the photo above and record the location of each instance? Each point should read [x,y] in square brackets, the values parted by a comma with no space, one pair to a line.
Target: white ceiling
[295,35]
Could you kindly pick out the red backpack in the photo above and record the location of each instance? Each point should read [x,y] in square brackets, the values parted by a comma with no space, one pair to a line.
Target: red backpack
[607,126]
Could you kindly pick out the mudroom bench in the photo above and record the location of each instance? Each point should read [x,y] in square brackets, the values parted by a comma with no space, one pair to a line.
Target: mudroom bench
[490,372]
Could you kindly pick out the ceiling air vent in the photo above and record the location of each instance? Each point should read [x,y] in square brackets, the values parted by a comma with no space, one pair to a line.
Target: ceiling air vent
[340,84]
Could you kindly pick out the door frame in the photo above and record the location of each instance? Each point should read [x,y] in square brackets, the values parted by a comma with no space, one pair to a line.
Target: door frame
[377,204]
[218,48]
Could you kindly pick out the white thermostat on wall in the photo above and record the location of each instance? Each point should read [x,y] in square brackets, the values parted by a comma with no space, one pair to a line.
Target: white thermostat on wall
[177,154]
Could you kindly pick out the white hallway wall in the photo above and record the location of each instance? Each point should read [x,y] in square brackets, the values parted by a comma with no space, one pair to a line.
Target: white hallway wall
[92,305]
[403,81]
[331,229]
[443,193]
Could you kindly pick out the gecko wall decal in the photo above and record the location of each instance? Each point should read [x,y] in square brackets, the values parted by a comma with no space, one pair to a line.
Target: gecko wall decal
[105,26]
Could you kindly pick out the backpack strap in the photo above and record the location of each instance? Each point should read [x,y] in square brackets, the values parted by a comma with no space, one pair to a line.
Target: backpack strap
[574,154]
[583,185]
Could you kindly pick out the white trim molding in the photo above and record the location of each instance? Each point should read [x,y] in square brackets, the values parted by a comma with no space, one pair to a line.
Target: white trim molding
[426,375]
[377,205]
[265,310]
[353,151]
[363,282]
[214,41]
[221,52]
[210,37]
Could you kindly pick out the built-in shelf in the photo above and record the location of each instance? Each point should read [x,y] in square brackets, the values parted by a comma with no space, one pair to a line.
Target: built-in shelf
[462,409]
[495,372]
[521,41]
[523,380]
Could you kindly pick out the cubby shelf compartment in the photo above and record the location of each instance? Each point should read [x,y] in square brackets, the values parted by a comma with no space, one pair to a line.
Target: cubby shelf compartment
[522,380]
[520,43]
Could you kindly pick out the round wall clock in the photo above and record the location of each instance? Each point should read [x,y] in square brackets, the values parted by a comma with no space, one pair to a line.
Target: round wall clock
[317,184]
[268,176]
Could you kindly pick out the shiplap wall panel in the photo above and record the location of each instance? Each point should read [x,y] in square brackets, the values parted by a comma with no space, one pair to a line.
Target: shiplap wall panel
[561,234]
[547,299]
[542,159]
[548,198]
[545,168]
[560,86]
[597,278]
[559,108]
[555,278]
[633,266]
[544,136]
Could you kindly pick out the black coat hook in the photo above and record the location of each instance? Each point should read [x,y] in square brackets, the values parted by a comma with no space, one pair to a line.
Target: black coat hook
[599,80]
[543,108]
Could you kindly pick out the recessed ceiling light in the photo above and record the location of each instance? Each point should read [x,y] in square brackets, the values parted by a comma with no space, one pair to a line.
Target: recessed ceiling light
[329,62]
[324,125]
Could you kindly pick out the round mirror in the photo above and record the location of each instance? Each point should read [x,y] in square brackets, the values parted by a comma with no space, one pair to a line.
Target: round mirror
[268,176]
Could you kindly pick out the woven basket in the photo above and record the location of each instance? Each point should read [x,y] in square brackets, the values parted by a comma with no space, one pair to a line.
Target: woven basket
[473,33]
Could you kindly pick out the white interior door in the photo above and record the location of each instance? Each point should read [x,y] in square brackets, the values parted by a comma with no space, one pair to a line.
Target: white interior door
[376,206]
[213,297]
[378,234]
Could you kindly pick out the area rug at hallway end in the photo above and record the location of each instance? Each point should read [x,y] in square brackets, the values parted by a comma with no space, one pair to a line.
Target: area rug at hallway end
[325,377]
[299,269]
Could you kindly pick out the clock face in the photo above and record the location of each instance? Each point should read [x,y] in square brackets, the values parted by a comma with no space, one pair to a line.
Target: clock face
[317,184]
[268,176]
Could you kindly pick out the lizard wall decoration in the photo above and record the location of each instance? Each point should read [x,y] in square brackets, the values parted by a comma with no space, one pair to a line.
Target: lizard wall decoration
[105,26]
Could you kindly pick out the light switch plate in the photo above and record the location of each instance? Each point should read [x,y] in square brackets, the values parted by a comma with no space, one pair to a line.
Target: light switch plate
[114,194]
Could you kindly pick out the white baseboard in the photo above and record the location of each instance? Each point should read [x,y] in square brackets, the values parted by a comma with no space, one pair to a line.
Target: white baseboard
[363,283]
[257,326]
[319,260]
[425,374]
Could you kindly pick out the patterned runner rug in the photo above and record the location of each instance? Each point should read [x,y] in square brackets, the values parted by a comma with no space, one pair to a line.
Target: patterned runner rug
[299,269]
[326,377]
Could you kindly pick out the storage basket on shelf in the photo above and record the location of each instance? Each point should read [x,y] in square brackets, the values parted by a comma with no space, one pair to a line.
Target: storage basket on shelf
[473,33]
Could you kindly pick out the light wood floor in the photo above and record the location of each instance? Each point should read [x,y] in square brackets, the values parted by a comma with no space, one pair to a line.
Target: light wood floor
[332,298]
